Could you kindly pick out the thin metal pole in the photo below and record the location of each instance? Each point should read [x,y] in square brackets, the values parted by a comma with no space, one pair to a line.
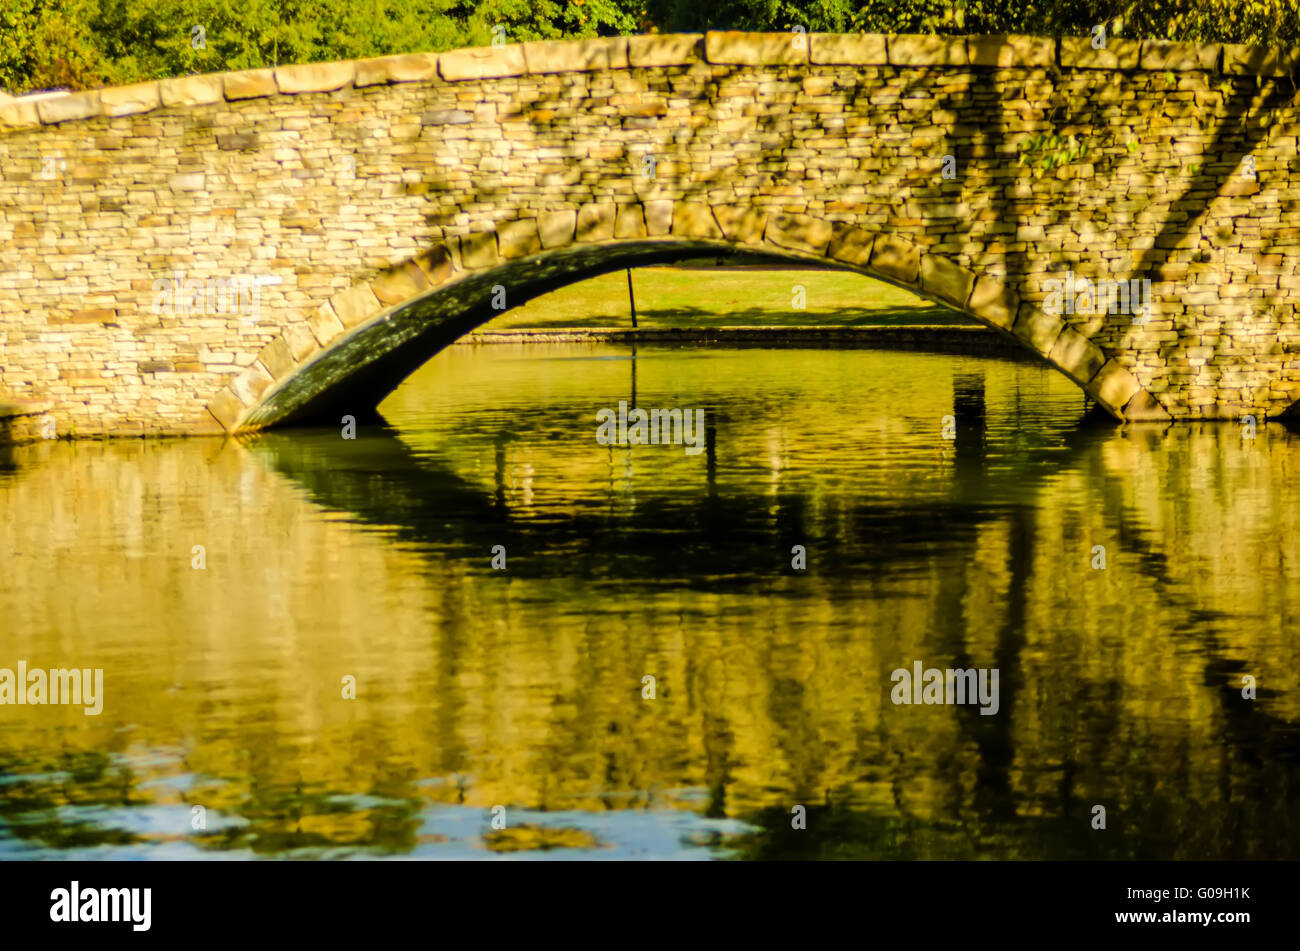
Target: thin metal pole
[631,299]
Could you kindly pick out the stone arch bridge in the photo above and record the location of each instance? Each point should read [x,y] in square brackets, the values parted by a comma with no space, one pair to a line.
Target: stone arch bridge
[227,252]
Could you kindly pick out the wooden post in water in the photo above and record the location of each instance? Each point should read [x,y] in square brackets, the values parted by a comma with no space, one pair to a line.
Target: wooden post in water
[631,299]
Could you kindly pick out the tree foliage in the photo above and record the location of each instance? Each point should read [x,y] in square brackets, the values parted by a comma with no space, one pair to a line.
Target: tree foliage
[1261,22]
[86,43]
[83,43]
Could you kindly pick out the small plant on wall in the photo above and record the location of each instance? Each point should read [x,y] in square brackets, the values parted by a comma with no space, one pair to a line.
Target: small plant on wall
[1049,150]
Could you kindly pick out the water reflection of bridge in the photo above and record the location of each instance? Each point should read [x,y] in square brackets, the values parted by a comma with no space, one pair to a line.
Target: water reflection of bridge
[379,479]
[709,539]
[1118,687]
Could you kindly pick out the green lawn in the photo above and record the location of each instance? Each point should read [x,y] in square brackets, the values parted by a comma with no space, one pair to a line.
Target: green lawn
[673,297]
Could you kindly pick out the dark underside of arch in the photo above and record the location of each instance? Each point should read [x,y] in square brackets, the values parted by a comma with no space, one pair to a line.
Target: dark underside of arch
[354,376]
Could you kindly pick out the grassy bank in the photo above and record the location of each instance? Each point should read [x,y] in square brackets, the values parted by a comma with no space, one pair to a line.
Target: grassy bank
[691,297]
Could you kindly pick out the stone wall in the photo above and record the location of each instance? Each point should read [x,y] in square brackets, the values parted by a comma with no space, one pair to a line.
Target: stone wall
[25,421]
[376,205]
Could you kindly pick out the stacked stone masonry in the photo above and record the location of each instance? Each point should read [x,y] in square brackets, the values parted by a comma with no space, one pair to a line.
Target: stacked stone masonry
[356,200]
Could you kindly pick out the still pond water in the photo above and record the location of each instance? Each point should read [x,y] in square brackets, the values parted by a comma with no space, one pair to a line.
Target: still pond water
[225,732]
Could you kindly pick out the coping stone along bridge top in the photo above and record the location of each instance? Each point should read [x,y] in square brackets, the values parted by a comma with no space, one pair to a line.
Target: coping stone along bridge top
[680,49]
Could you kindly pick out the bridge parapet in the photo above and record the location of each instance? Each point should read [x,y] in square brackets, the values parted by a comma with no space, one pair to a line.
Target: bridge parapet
[623,52]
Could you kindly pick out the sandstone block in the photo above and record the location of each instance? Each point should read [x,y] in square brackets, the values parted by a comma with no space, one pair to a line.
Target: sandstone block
[1078,356]
[1260,60]
[1037,328]
[668,49]
[250,84]
[596,222]
[658,217]
[1011,51]
[1162,55]
[1144,408]
[399,284]
[563,56]
[128,100]
[403,68]
[76,105]
[251,384]
[92,315]
[518,239]
[301,342]
[227,409]
[849,49]
[755,49]
[191,90]
[927,50]
[994,301]
[947,281]
[851,244]
[629,222]
[325,325]
[277,358]
[1114,386]
[894,257]
[742,224]
[482,62]
[799,233]
[1077,53]
[695,220]
[446,117]
[237,141]
[436,264]
[19,113]
[556,229]
[315,77]
[355,305]
[479,250]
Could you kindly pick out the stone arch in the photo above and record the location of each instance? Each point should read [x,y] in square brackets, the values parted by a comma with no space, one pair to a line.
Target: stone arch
[359,346]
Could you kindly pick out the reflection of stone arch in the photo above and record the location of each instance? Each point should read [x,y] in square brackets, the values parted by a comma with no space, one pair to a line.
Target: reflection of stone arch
[361,344]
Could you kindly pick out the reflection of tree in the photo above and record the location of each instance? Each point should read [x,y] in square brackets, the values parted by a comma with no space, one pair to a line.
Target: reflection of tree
[979,774]
[377,479]
[52,804]
[770,681]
